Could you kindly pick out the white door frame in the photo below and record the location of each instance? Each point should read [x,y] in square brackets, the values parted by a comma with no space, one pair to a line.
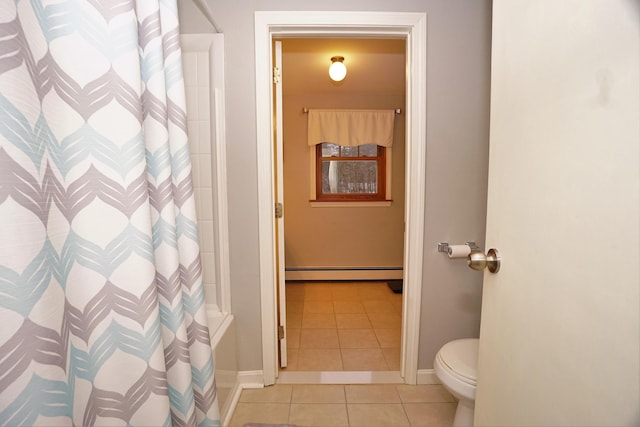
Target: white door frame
[279,162]
[413,27]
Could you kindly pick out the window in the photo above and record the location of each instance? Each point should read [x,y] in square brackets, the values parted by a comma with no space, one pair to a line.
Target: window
[350,156]
[344,174]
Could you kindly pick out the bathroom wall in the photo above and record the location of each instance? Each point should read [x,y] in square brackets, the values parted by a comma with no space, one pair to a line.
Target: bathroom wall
[458,77]
[346,236]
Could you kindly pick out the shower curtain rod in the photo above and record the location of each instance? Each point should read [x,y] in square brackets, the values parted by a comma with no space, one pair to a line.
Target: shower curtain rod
[397,110]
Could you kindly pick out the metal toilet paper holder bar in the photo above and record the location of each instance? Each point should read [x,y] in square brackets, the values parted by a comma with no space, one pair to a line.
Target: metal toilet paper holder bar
[444,246]
[477,260]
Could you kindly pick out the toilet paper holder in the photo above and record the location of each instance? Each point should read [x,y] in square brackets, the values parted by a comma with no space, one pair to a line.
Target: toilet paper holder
[477,260]
[444,246]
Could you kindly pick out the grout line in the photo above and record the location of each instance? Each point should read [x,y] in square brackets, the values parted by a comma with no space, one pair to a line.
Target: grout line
[289,412]
[306,301]
[346,404]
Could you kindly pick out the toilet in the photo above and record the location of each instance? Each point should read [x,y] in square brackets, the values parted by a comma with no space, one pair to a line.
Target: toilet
[456,367]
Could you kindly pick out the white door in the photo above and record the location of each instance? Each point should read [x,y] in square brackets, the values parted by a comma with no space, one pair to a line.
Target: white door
[282,302]
[559,339]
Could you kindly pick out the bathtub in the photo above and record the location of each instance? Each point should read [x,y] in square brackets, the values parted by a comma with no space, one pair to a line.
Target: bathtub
[223,345]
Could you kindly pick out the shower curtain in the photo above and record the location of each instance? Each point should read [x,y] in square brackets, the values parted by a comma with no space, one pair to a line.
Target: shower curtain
[102,317]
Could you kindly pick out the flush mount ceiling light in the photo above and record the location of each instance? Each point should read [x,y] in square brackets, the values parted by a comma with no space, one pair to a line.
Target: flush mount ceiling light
[337,70]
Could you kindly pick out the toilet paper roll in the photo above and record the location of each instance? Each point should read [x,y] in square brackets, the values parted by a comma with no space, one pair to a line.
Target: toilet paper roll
[459,251]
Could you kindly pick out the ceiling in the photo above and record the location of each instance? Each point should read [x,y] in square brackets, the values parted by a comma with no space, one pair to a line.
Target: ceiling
[374,66]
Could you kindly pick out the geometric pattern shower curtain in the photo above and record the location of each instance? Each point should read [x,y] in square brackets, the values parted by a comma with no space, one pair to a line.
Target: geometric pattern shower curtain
[102,317]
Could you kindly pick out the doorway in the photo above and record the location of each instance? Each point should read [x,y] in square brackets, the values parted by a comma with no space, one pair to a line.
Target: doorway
[411,26]
[339,313]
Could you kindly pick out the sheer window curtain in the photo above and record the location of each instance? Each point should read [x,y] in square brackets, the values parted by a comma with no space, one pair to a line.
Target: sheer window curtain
[101,296]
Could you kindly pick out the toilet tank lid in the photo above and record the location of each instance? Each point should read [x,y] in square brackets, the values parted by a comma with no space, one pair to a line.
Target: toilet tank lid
[461,356]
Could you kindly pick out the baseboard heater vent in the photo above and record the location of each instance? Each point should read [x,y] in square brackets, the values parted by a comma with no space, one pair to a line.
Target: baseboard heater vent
[343,273]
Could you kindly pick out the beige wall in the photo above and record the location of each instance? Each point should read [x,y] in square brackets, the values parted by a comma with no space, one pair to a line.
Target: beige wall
[458,71]
[339,236]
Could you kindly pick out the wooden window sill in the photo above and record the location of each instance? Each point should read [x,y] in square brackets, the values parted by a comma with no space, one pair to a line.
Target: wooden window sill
[351,204]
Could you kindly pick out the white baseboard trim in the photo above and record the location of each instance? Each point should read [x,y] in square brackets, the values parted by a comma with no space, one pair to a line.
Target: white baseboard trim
[343,274]
[427,376]
[251,379]
[226,412]
[244,380]
[340,377]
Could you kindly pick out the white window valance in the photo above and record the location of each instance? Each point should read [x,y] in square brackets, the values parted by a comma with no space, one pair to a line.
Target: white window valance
[351,127]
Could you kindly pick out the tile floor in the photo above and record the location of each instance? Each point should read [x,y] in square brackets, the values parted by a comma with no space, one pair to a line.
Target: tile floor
[343,326]
[383,405]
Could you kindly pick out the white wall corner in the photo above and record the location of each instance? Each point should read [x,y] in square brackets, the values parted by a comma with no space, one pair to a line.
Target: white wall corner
[251,379]
[244,380]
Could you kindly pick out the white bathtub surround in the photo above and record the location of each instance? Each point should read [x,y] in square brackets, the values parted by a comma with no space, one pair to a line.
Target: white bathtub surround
[203,63]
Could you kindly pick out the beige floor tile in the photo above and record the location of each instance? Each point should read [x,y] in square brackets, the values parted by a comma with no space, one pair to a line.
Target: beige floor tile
[353,321]
[430,414]
[313,393]
[372,393]
[313,308]
[295,307]
[314,414]
[380,306]
[346,291]
[377,415]
[318,306]
[320,360]
[293,337]
[319,338]
[374,286]
[294,292]
[429,393]
[369,359]
[385,320]
[375,291]
[318,291]
[279,393]
[388,338]
[260,413]
[357,338]
[392,356]
[396,299]
[348,307]
[318,320]
[294,320]
[342,286]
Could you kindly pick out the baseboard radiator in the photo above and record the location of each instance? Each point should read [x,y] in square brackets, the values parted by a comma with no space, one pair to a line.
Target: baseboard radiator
[343,273]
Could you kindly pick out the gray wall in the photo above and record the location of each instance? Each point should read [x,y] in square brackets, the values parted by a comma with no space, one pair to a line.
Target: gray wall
[458,71]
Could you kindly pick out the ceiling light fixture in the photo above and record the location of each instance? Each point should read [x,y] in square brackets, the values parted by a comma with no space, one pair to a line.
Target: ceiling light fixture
[337,70]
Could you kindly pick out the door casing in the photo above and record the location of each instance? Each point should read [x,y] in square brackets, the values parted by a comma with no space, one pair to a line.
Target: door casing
[412,27]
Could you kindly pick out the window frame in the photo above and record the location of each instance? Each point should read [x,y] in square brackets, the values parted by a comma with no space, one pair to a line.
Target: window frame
[383,195]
